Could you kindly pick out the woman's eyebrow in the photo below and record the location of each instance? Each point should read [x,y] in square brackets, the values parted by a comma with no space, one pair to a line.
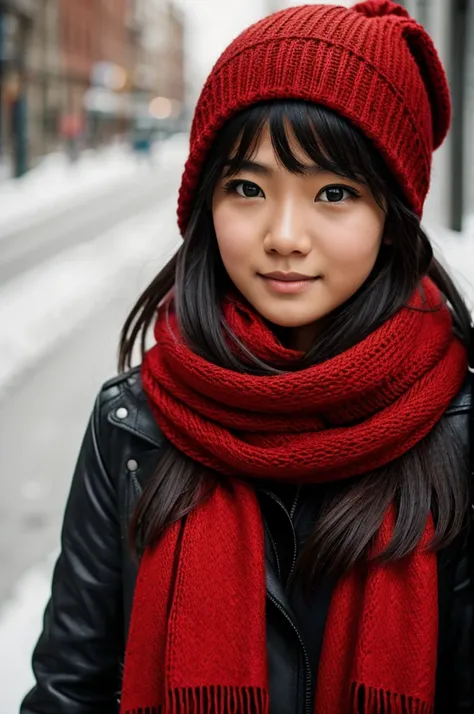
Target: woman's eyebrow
[265,170]
[251,166]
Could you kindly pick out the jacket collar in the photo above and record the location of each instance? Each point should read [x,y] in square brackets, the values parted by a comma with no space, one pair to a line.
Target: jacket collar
[132,412]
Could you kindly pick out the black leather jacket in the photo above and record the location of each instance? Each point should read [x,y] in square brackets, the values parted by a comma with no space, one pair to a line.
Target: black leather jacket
[78,659]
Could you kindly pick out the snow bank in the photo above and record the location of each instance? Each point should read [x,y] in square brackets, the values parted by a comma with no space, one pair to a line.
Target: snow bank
[56,184]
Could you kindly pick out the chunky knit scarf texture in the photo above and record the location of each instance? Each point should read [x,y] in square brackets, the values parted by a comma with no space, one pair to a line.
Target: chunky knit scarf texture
[197,642]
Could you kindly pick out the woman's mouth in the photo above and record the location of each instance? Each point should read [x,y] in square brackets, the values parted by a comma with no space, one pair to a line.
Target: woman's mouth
[287,282]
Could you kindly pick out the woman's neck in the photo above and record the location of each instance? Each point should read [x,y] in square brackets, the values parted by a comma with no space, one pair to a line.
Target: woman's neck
[300,339]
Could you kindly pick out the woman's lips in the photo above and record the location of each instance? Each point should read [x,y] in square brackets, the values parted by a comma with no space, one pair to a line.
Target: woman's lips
[288,286]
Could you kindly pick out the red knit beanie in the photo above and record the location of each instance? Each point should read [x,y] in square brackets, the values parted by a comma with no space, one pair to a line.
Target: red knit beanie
[372,63]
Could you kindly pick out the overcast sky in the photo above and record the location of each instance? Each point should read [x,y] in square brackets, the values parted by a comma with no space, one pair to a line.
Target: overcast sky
[211,25]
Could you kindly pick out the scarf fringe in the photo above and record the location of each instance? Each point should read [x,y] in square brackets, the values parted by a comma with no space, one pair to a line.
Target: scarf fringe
[211,700]
[368,700]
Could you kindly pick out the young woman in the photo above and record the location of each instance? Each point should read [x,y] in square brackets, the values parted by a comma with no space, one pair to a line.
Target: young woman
[271,514]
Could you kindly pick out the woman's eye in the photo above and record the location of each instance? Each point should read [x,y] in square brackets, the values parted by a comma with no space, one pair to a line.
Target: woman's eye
[246,189]
[337,194]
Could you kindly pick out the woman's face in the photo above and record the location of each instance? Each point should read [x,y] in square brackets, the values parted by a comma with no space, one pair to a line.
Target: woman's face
[295,246]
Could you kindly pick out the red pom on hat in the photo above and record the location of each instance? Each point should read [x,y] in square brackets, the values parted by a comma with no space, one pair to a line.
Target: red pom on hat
[380,8]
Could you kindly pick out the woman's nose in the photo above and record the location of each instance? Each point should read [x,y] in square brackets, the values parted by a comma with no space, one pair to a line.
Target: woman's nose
[286,232]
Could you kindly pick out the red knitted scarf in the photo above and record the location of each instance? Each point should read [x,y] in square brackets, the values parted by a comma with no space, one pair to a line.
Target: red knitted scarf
[197,641]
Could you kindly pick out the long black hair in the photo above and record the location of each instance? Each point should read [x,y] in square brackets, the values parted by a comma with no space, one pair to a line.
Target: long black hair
[432,475]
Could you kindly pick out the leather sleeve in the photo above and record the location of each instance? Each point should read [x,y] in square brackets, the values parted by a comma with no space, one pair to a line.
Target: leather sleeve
[459,628]
[76,661]
[462,635]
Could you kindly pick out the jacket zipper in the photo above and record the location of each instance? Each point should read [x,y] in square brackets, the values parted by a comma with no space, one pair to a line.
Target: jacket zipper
[295,541]
[275,552]
[307,697]
[295,503]
[308,707]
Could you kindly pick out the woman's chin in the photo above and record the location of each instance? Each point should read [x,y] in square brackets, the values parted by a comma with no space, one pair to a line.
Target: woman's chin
[290,319]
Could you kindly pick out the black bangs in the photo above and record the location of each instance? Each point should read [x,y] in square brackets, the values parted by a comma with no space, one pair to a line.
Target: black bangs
[328,140]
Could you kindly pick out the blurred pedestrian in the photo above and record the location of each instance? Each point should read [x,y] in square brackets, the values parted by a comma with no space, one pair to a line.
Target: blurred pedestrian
[142,140]
[71,130]
[271,513]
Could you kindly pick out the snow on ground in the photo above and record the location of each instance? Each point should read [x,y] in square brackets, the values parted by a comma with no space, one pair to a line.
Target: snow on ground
[56,183]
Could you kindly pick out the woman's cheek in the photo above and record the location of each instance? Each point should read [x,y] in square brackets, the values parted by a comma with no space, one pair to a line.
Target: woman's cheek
[354,248]
[235,233]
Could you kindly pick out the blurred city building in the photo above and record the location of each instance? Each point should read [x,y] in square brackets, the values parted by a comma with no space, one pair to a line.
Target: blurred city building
[93,49]
[43,81]
[77,74]
[157,73]
[16,18]
[451,24]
